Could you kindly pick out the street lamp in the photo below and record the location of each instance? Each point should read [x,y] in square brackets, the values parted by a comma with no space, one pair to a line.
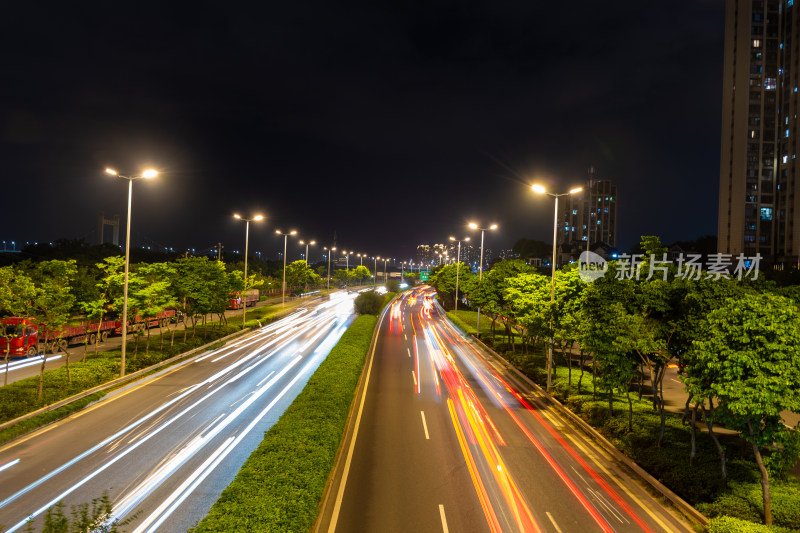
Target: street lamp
[246,243]
[541,190]
[285,239]
[332,249]
[306,257]
[458,264]
[375,271]
[147,174]
[473,225]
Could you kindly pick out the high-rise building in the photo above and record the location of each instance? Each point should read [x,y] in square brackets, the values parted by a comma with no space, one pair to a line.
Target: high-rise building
[589,215]
[758,207]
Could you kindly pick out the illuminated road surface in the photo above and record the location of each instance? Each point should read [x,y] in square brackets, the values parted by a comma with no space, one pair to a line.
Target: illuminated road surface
[167,446]
[445,442]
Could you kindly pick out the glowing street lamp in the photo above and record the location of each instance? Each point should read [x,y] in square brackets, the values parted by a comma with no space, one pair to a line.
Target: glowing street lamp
[541,190]
[473,225]
[147,174]
[331,250]
[283,285]
[306,256]
[246,243]
[458,265]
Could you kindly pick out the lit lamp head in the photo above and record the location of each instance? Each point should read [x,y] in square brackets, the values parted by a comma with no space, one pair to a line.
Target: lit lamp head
[149,173]
[538,189]
[473,225]
[575,190]
[111,171]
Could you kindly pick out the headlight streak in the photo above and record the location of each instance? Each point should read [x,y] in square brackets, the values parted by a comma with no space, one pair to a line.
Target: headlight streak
[9,464]
[126,504]
[492,393]
[24,363]
[159,411]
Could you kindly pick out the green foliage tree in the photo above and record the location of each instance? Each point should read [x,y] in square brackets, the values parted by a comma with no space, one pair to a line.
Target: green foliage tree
[53,305]
[17,297]
[751,349]
[443,279]
[360,274]
[153,294]
[109,289]
[199,284]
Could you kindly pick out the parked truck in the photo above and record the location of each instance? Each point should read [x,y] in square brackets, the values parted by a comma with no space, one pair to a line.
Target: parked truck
[241,299]
[138,323]
[27,337]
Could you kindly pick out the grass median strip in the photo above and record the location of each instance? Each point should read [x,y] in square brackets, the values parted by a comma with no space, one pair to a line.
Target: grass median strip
[281,484]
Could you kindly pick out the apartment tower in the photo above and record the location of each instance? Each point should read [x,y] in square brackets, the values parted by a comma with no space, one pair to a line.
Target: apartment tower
[758,207]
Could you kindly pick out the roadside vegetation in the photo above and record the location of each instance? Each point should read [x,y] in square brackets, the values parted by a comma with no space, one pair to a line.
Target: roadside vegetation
[735,343]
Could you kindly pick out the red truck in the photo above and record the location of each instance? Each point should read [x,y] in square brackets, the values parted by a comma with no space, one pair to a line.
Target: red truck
[25,335]
[241,299]
[138,323]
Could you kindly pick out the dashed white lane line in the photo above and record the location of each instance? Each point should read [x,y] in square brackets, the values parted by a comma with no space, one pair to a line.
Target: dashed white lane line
[425,425]
[558,529]
[409,351]
[444,519]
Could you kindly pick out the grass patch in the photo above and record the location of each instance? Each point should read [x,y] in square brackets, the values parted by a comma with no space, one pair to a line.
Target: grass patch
[280,485]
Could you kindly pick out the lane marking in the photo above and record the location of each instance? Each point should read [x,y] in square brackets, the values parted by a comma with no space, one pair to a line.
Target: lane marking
[424,425]
[552,521]
[444,519]
[405,336]
[414,375]
[409,351]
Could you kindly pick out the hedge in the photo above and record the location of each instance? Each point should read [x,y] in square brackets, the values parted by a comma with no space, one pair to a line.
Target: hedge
[281,484]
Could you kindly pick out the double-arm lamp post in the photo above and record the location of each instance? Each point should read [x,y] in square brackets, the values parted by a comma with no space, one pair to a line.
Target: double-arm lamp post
[330,251]
[243,296]
[147,174]
[285,240]
[458,265]
[541,190]
[473,225]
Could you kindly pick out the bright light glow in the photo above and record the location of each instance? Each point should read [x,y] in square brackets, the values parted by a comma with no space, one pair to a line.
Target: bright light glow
[293,232]
[493,226]
[452,238]
[111,171]
[236,216]
[466,239]
[149,173]
[539,189]
[403,285]
[278,232]
[473,225]
[313,242]
[258,217]
[576,189]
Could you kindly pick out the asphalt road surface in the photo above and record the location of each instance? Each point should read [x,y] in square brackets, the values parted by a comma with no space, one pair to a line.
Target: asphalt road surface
[445,440]
[168,445]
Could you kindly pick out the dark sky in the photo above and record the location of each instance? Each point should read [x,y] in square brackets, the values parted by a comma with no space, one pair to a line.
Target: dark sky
[391,124]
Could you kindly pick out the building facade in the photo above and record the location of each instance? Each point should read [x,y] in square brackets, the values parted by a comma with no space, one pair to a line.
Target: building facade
[590,215]
[758,207]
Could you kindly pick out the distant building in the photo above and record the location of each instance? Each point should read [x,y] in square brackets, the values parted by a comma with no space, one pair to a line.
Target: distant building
[759,203]
[588,217]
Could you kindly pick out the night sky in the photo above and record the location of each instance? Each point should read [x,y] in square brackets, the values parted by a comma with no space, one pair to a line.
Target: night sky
[390,124]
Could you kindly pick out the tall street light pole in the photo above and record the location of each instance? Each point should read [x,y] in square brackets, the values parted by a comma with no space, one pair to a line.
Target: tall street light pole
[243,297]
[306,258]
[330,251]
[147,174]
[473,225]
[541,190]
[458,266]
[375,272]
[285,240]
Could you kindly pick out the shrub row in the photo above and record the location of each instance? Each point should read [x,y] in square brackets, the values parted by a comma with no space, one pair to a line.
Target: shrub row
[280,485]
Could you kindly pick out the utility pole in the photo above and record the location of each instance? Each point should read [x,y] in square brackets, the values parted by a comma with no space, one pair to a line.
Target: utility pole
[219,251]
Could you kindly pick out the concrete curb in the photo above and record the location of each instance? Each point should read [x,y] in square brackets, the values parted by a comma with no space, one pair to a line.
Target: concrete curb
[119,381]
[687,510]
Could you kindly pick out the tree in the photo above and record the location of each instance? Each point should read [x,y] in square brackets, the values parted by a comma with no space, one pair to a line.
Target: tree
[109,288]
[489,294]
[198,285]
[443,279]
[368,303]
[52,307]
[153,294]
[752,351]
[17,297]
[299,274]
[360,273]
